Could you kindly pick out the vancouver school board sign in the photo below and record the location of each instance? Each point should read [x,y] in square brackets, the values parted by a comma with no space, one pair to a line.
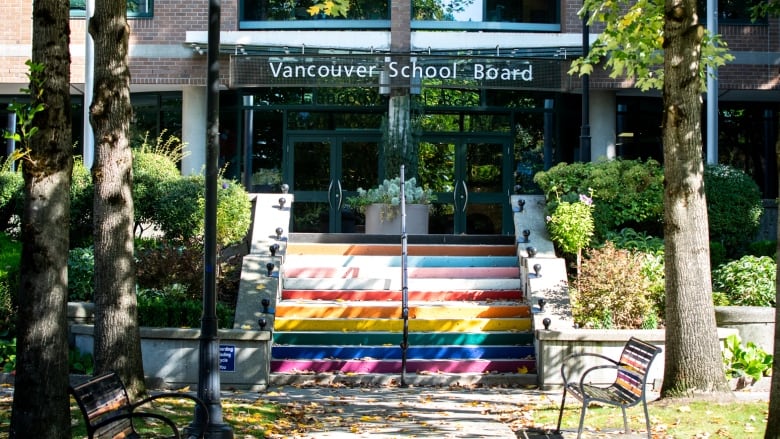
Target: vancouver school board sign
[395,71]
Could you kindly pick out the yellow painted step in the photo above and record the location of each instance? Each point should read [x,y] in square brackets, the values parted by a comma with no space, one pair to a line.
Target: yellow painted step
[396,325]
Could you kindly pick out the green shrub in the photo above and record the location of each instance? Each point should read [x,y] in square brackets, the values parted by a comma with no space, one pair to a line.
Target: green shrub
[612,292]
[158,309]
[626,193]
[181,211]
[748,360]
[10,261]
[81,271]
[629,239]
[151,171]
[733,205]
[571,225]
[161,264]
[652,250]
[179,214]
[11,197]
[234,213]
[8,354]
[82,194]
[764,247]
[80,363]
[748,281]
[717,254]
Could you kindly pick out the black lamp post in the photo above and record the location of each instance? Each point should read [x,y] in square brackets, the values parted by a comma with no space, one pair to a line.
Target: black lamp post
[208,365]
[585,129]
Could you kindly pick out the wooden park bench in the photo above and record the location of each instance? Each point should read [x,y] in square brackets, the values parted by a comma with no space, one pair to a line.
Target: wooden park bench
[628,389]
[109,414]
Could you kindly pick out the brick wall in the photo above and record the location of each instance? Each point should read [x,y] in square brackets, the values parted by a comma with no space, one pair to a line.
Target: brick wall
[173,18]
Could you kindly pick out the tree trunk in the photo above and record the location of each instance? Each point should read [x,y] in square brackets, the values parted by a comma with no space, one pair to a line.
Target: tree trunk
[41,405]
[773,422]
[693,361]
[117,335]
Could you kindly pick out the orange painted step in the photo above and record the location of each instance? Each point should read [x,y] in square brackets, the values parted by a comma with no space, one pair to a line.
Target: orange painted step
[379,295]
[395,249]
[413,272]
[393,311]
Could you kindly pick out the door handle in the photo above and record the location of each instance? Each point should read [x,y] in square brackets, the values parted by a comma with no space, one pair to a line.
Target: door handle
[339,195]
[465,195]
[330,199]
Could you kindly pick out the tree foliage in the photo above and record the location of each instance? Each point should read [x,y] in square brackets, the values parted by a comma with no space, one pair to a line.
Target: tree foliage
[631,43]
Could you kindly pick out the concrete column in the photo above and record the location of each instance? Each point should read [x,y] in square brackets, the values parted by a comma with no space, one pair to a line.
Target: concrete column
[602,124]
[194,130]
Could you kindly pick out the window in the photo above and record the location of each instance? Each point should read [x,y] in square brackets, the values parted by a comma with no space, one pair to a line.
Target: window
[288,10]
[135,8]
[731,11]
[507,11]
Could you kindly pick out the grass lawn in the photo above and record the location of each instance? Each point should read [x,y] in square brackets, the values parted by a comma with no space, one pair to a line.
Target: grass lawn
[678,419]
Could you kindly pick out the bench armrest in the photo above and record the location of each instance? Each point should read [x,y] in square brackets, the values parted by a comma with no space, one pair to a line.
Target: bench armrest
[568,359]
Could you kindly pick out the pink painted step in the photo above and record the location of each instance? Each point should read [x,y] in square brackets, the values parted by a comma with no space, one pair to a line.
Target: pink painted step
[379,295]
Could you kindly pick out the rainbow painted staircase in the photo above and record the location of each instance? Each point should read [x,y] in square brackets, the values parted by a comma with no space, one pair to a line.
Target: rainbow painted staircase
[339,318]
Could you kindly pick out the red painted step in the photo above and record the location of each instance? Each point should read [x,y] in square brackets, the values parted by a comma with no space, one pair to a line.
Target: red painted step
[379,295]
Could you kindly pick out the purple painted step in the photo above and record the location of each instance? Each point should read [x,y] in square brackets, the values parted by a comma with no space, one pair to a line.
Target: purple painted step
[413,366]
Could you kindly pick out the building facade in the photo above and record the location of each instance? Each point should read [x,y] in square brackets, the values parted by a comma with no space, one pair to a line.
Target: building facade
[481,86]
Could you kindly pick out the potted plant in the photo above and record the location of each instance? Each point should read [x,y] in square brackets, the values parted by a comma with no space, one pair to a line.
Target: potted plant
[266,180]
[381,206]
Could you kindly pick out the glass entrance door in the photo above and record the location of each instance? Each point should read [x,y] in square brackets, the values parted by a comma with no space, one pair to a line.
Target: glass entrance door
[324,171]
[471,177]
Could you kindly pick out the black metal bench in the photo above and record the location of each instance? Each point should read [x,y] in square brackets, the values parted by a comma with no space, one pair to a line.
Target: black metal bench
[628,389]
[109,414]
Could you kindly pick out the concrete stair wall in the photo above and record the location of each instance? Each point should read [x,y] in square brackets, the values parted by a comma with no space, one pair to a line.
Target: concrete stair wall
[339,313]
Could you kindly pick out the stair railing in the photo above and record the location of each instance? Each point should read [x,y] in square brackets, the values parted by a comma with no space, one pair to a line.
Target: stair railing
[404,279]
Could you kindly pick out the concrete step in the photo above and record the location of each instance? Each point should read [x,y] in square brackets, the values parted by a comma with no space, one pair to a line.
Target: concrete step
[368,338]
[395,261]
[412,366]
[396,325]
[394,283]
[391,272]
[320,352]
[423,379]
[392,310]
[413,295]
[309,248]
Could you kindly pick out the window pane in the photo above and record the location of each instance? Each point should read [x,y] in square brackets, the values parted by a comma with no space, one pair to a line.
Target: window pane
[139,7]
[283,10]
[731,11]
[512,11]
[135,8]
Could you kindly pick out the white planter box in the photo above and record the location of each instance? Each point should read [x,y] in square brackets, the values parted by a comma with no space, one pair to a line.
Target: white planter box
[416,219]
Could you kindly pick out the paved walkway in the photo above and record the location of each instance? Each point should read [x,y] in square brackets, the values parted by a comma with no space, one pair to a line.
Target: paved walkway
[420,412]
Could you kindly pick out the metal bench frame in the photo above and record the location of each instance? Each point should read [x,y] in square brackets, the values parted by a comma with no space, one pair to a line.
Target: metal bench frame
[109,414]
[628,389]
